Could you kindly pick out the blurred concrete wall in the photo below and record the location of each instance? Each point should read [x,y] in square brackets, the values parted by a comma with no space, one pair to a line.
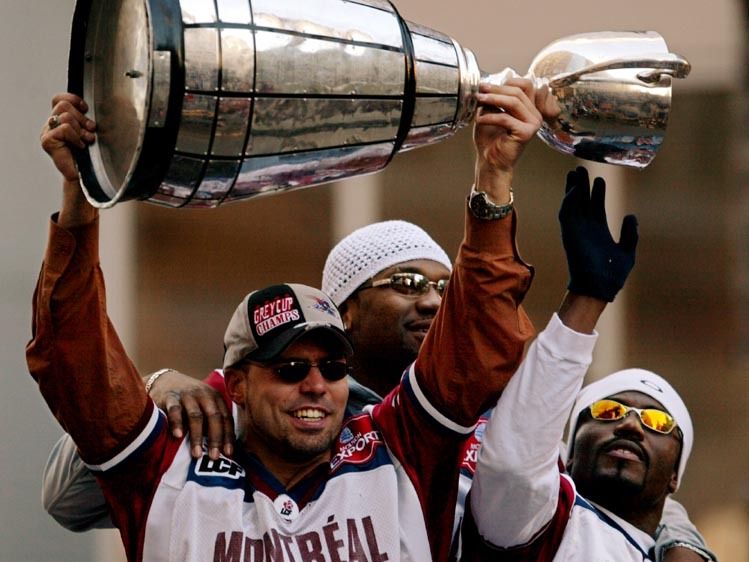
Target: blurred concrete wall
[181,272]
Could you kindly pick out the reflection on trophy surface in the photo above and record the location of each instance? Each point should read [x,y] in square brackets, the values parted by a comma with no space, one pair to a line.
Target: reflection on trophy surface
[201,103]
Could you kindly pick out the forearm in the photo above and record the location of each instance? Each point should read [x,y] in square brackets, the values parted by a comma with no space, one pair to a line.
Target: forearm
[495,182]
[516,485]
[75,355]
[477,339]
[75,210]
[581,313]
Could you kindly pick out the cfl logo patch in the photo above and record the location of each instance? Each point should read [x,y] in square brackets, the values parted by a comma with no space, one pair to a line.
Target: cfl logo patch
[287,508]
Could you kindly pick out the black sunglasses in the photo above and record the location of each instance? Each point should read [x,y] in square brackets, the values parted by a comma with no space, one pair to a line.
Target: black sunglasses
[408,284]
[296,371]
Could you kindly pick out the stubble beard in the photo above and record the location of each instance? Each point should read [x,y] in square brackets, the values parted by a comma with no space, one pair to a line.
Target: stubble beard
[289,444]
[611,487]
[303,449]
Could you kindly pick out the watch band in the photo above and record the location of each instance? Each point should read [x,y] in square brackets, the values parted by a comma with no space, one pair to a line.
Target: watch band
[484,209]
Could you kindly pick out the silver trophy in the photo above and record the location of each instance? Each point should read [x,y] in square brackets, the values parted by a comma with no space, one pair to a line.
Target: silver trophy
[200,103]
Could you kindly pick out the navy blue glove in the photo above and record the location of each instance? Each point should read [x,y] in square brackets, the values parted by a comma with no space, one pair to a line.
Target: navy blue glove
[598,266]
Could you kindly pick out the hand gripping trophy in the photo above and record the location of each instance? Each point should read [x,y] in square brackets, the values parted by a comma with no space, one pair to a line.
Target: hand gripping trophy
[200,103]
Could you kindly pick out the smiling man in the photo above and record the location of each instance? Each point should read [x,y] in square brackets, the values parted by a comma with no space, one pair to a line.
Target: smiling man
[285,365]
[387,278]
[301,486]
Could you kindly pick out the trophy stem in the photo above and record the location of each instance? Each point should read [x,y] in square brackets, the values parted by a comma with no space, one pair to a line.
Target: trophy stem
[499,78]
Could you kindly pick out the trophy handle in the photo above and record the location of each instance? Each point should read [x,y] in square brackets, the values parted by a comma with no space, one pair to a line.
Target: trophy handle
[659,64]
[669,64]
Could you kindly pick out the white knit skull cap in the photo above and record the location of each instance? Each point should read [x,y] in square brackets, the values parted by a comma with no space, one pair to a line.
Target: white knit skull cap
[367,251]
[647,383]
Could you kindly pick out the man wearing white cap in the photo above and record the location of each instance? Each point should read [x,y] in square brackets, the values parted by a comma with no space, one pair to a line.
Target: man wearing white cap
[356,498]
[630,433]
[387,278]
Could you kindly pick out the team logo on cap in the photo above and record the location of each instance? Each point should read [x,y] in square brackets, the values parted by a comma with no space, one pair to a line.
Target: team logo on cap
[324,306]
[652,385]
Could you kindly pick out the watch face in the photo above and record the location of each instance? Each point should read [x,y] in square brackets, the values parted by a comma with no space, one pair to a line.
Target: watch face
[480,206]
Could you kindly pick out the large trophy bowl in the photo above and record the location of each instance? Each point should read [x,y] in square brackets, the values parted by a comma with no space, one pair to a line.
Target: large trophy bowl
[614,94]
[200,103]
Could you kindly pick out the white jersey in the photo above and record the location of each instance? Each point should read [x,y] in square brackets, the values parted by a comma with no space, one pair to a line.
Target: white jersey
[235,510]
[581,530]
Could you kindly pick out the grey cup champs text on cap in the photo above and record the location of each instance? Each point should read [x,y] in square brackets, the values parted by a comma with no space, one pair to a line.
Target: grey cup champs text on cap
[267,321]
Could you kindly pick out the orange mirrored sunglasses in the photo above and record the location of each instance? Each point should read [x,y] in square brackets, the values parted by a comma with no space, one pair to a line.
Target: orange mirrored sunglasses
[652,418]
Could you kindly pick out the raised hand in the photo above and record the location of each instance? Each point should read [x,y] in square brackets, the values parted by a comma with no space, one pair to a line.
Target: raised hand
[598,266]
[67,127]
[506,120]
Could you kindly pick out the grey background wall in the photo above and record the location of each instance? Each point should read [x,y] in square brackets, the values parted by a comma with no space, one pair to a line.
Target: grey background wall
[174,276]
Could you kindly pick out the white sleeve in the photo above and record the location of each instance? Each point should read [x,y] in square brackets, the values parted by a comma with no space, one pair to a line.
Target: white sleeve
[516,486]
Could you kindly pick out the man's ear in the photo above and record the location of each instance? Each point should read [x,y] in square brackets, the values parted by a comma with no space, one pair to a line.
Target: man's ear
[349,310]
[236,384]
[570,459]
[673,484]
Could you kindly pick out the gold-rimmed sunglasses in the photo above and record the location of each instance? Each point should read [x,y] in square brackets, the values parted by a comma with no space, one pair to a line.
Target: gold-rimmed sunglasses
[408,284]
[652,418]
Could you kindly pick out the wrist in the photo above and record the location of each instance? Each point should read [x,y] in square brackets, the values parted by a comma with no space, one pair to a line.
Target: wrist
[154,377]
[75,210]
[495,182]
[581,312]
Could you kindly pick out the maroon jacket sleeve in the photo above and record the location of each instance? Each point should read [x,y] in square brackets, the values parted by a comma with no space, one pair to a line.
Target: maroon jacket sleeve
[75,355]
[478,337]
[474,345]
